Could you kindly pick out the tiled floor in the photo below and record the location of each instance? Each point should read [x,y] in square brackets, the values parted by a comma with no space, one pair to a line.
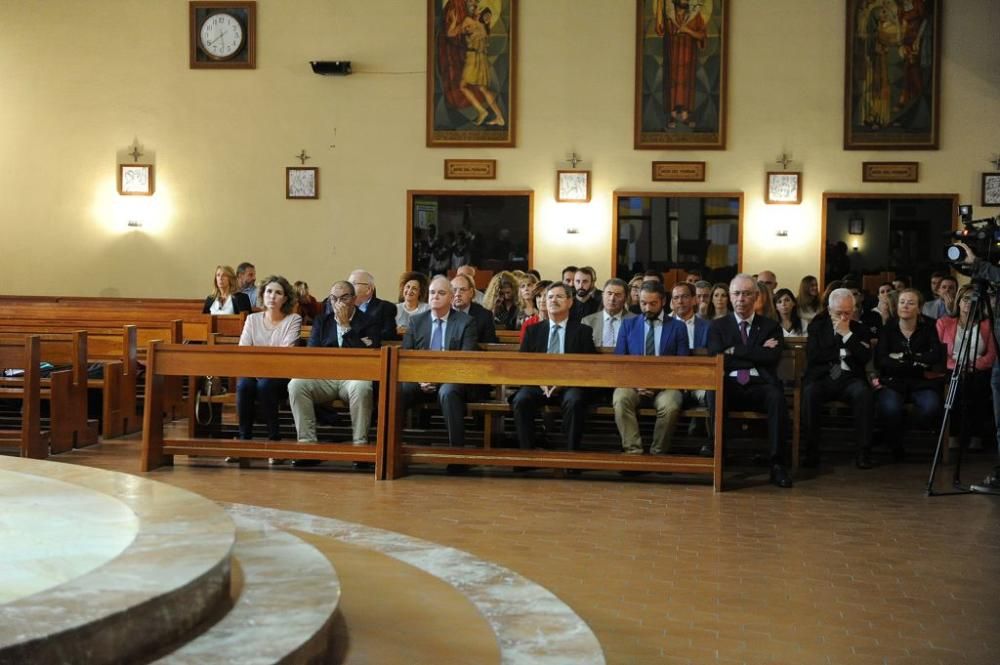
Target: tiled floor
[850,567]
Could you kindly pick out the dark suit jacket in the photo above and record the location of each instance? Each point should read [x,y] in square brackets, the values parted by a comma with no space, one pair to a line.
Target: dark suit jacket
[673,338]
[823,348]
[724,333]
[460,334]
[579,338]
[363,327]
[700,331]
[486,329]
[385,314]
[241,303]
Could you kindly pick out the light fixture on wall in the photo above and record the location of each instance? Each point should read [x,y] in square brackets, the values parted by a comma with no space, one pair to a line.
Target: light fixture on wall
[856,224]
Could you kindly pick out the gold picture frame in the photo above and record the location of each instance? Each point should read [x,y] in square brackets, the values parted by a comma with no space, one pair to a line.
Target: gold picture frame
[783,187]
[136,180]
[573,186]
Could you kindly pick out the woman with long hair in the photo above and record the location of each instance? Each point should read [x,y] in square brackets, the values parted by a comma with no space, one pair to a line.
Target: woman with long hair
[226,298]
[765,302]
[808,299]
[541,313]
[499,300]
[719,304]
[788,314]
[526,307]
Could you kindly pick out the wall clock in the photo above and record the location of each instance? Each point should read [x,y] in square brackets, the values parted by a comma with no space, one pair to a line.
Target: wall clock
[223,35]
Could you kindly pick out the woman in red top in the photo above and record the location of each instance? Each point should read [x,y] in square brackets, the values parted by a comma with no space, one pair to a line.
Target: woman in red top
[541,314]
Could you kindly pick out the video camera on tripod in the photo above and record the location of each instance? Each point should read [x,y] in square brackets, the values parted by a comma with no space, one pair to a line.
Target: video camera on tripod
[981,235]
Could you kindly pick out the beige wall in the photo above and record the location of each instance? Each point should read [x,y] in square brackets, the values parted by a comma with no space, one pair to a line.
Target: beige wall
[80,80]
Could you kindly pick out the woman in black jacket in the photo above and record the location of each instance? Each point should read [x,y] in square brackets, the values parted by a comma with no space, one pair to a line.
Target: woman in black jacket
[225,298]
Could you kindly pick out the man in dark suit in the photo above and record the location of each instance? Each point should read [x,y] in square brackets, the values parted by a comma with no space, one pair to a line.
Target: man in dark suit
[752,346]
[837,350]
[682,307]
[587,298]
[380,310]
[652,334]
[346,327]
[441,329]
[559,334]
[463,290]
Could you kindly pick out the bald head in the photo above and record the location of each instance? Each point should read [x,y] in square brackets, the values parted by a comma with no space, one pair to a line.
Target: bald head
[769,279]
[439,295]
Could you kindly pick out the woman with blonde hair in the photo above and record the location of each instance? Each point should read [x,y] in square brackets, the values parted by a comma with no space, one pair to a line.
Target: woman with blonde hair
[499,300]
[526,307]
[226,298]
[412,298]
[541,313]
[765,302]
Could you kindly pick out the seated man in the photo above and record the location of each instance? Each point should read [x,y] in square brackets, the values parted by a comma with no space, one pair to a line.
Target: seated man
[682,304]
[837,351]
[441,329]
[559,334]
[652,334]
[752,346]
[607,323]
[342,326]
[462,288]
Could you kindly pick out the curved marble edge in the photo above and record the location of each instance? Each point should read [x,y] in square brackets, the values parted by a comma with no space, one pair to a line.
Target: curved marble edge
[289,596]
[531,624]
[180,552]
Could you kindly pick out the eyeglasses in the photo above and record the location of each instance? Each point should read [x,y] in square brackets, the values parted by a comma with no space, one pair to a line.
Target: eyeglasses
[346,298]
[357,284]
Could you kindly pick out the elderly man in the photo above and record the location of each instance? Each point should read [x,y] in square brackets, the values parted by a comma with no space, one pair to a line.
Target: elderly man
[246,278]
[344,327]
[837,350]
[607,323]
[470,272]
[441,329]
[382,311]
[768,279]
[752,347]
[652,334]
[559,334]
[462,288]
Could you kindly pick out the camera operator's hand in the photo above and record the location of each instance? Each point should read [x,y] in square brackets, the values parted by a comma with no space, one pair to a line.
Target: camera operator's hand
[970,257]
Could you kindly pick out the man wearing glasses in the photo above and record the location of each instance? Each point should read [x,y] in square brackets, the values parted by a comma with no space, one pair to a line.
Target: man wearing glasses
[343,326]
[752,347]
[383,312]
[463,290]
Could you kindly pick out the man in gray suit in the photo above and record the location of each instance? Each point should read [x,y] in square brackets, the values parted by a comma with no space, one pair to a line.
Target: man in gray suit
[441,329]
[607,323]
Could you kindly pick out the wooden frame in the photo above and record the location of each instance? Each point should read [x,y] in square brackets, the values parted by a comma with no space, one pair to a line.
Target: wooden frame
[892,82]
[991,190]
[301,182]
[244,11]
[890,171]
[413,193]
[645,194]
[453,119]
[678,171]
[827,196]
[573,186]
[695,115]
[783,187]
[136,180]
[470,169]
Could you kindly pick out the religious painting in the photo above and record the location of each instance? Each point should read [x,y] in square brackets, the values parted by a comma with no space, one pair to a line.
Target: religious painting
[783,187]
[892,73]
[680,74]
[991,189]
[471,72]
[573,186]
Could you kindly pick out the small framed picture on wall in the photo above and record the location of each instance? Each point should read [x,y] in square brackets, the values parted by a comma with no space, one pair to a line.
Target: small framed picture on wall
[991,189]
[573,186]
[301,182]
[783,187]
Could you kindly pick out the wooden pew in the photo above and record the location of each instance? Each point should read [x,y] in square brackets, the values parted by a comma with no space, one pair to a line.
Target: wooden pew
[25,353]
[179,360]
[589,371]
[66,391]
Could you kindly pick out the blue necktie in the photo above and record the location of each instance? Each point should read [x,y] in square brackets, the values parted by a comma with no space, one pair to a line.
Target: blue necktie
[437,338]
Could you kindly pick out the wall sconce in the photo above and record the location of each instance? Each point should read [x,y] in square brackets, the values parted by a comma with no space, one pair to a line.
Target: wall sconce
[855,244]
[781,233]
[856,225]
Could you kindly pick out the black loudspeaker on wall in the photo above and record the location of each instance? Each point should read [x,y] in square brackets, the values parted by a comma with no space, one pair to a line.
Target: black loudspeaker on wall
[331,67]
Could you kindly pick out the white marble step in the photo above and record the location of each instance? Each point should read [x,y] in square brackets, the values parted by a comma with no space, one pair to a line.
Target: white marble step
[164,569]
[285,610]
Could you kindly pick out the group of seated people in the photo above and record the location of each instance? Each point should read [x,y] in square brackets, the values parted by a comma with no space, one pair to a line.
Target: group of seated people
[878,359]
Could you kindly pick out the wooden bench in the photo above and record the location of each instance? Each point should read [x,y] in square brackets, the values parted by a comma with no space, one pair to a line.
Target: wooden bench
[66,391]
[588,371]
[25,353]
[179,360]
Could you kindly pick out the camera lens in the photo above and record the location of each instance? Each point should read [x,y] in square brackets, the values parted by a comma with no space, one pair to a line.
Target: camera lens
[955,253]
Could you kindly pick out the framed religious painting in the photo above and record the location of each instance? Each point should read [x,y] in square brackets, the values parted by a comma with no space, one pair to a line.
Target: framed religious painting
[680,74]
[892,75]
[991,189]
[301,182]
[471,73]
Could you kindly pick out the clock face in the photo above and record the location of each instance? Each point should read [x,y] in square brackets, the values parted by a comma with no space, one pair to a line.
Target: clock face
[221,36]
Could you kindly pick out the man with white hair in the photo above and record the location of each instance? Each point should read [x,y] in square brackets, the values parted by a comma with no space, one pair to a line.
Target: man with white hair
[751,344]
[382,311]
[837,350]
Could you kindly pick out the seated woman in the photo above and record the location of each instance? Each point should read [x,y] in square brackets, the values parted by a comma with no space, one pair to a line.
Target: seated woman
[904,357]
[276,325]
[499,300]
[541,314]
[632,302]
[974,395]
[808,299]
[788,314]
[226,298]
[526,306]
[412,298]
[765,302]
[718,304]
[306,305]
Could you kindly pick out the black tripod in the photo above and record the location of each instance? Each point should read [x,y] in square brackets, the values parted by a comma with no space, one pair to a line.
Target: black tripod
[968,351]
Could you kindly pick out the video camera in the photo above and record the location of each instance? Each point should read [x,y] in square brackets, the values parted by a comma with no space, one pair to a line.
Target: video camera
[981,235]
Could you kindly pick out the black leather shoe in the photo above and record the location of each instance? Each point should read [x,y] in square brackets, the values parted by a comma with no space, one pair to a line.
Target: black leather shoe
[863,460]
[780,477]
[301,463]
[707,450]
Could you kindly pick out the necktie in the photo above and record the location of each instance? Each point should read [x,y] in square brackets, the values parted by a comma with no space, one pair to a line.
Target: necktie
[651,339]
[743,375]
[554,340]
[609,333]
[437,338]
